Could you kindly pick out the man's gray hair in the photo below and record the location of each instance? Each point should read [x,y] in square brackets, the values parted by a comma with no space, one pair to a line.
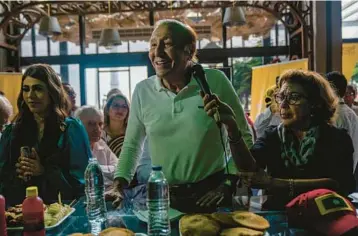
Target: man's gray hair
[5,106]
[87,111]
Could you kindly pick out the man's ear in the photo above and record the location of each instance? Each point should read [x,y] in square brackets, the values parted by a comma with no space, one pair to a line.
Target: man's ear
[187,50]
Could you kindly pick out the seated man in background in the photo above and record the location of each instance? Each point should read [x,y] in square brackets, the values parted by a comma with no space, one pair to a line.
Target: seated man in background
[270,115]
[350,96]
[92,119]
[346,118]
[5,112]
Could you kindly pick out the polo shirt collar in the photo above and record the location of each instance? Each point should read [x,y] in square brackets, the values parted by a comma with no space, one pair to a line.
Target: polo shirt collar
[159,87]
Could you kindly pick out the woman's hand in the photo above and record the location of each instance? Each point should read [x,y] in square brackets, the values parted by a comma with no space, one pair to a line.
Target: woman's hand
[29,166]
[213,104]
[260,179]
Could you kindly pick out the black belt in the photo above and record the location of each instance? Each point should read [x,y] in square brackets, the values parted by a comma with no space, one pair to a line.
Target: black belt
[211,181]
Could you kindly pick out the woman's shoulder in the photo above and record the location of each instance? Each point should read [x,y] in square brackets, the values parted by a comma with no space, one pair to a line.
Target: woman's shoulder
[71,123]
[333,131]
[7,131]
[337,136]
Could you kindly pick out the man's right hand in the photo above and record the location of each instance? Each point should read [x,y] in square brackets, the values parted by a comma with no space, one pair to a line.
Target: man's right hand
[115,194]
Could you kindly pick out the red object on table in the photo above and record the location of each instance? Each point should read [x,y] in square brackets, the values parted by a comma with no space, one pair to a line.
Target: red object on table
[2,217]
[33,213]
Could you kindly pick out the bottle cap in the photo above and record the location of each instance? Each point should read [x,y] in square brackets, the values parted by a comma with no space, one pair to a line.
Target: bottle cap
[31,191]
[157,168]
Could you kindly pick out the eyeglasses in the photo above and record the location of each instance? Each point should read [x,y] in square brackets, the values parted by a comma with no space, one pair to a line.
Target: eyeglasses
[349,94]
[291,98]
[119,106]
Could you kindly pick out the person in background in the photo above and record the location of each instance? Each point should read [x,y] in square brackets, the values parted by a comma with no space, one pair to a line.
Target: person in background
[269,117]
[92,119]
[5,112]
[166,110]
[59,145]
[251,125]
[72,97]
[2,93]
[304,152]
[116,113]
[113,92]
[349,97]
[346,118]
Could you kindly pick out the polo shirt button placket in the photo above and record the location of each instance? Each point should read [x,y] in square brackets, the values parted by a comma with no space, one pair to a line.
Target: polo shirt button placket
[178,107]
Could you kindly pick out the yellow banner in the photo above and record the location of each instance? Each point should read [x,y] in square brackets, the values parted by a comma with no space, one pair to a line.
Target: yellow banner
[10,84]
[349,59]
[264,77]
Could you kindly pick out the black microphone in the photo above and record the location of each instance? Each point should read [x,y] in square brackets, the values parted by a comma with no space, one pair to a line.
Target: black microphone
[200,77]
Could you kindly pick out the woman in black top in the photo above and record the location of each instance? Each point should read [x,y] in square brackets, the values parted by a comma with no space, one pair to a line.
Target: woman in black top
[305,151]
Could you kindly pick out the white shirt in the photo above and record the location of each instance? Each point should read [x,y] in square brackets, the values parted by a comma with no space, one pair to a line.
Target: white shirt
[265,119]
[107,160]
[348,120]
[355,109]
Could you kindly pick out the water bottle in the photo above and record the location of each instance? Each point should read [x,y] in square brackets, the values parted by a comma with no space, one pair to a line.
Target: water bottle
[96,205]
[158,203]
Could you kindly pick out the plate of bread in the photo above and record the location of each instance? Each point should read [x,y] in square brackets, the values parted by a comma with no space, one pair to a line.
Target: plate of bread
[223,224]
[113,231]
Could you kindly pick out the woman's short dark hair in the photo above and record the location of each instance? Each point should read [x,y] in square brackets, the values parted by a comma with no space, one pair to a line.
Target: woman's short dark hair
[59,100]
[188,36]
[109,104]
[320,94]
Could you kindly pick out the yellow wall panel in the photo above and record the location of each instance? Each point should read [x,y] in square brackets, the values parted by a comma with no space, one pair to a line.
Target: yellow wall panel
[264,77]
[10,84]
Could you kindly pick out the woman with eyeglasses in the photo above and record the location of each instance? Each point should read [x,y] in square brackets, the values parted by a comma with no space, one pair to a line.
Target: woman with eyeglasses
[116,112]
[57,150]
[304,152]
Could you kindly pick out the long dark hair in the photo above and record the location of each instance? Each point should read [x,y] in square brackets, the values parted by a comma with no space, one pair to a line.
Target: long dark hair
[108,106]
[59,100]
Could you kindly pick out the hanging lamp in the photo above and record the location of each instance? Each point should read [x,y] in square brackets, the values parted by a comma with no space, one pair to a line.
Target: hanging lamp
[234,16]
[109,36]
[49,25]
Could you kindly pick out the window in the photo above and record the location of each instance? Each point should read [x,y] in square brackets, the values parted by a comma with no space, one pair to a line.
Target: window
[54,48]
[100,81]
[115,49]
[138,46]
[74,80]
[41,43]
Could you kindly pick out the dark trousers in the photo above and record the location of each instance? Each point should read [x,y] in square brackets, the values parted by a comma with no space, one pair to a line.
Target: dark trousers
[183,197]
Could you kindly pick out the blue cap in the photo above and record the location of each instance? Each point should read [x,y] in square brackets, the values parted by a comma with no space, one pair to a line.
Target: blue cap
[157,168]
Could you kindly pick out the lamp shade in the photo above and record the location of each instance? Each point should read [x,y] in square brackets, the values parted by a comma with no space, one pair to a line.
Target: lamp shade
[109,37]
[49,26]
[212,45]
[234,16]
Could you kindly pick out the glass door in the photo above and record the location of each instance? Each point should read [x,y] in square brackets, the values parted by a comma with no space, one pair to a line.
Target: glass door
[99,81]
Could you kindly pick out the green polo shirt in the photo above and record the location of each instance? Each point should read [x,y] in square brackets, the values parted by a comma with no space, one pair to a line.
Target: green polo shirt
[181,137]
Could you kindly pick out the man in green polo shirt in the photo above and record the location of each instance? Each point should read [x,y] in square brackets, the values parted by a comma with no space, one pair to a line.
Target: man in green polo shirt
[166,109]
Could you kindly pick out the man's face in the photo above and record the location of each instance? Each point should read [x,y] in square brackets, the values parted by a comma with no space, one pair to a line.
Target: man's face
[94,126]
[349,96]
[166,55]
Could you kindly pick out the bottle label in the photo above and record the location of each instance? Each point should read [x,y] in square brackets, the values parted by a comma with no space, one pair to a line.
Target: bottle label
[34,222]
